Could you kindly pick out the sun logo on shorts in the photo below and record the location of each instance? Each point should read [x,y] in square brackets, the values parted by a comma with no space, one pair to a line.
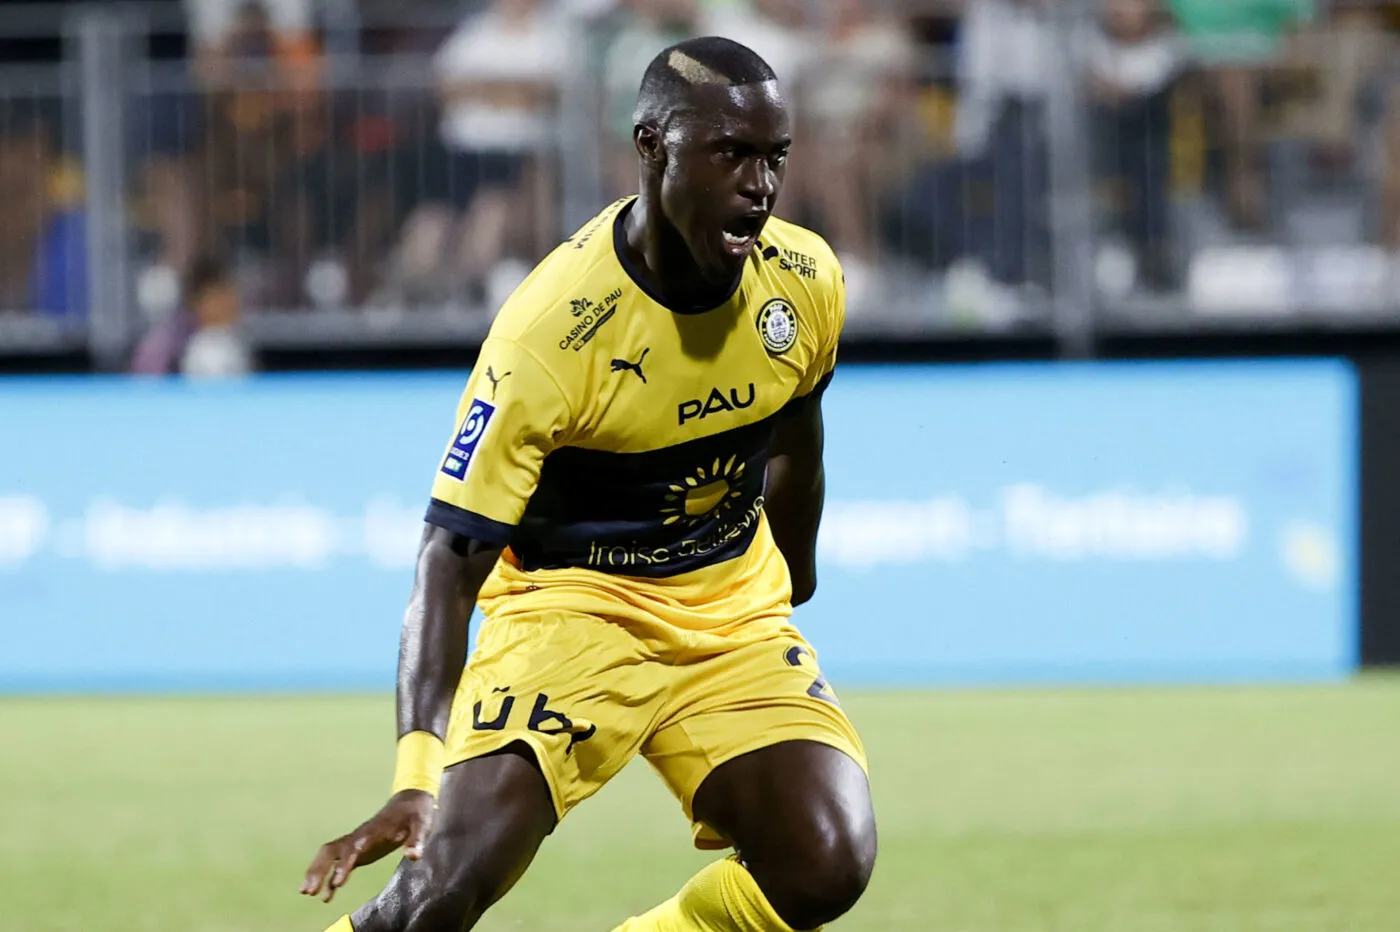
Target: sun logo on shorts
[707,494]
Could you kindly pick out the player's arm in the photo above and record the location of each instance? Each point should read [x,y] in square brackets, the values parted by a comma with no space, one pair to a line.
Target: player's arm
[432,652]
[433,646]
[510,417]
[794,493]
[795,487]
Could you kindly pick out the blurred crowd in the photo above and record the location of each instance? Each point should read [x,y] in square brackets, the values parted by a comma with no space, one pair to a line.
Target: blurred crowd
[260,176]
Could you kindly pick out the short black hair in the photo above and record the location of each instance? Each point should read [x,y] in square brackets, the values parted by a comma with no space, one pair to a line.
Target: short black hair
[679,68]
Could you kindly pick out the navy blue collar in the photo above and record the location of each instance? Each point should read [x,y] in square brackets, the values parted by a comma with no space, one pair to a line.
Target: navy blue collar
[623,252]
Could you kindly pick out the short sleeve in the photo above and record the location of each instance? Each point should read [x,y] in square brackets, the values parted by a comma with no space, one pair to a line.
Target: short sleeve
[831,317]
[512,414]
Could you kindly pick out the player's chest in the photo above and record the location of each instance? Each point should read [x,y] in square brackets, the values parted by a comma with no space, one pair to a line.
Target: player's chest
[662,384]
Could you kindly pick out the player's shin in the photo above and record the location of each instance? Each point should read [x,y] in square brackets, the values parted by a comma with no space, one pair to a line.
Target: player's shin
[723,897]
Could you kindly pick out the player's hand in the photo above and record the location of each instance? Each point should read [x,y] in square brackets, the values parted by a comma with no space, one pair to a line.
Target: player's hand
[404,822]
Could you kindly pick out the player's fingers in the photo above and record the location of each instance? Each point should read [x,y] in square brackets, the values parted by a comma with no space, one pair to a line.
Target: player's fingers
[345,865]
[320,867]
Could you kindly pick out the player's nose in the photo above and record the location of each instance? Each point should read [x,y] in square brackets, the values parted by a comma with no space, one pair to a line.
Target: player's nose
[758,182]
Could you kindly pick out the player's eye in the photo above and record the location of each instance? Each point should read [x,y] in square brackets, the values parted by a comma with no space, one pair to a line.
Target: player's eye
[778,159]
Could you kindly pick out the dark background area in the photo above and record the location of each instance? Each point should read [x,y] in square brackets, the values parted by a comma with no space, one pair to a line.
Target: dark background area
[1380,512]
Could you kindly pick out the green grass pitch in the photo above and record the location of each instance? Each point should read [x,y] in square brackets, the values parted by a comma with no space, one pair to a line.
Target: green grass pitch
[1184,810]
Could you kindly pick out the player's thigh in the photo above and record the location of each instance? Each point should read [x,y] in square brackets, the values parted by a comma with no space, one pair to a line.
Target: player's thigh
[800,816]
[763,758]
[493,813]
[741,701]
[576,690]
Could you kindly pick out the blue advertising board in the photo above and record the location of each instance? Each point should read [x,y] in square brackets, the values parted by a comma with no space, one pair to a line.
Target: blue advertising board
[990,525]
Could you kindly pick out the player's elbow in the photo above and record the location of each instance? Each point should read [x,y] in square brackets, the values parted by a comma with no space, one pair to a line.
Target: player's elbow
[804,586]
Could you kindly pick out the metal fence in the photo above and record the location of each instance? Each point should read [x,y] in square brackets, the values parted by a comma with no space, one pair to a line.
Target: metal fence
[347,202]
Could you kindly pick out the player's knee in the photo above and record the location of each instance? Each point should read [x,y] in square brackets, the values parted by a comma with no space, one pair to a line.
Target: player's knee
[420,906]
[827,879]
[432,895]
[411,904]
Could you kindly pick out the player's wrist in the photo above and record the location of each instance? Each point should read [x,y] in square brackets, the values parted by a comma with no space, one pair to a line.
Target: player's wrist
[418,763]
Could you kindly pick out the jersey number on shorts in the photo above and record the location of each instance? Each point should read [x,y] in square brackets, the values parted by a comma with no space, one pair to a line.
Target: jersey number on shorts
[540,716]
[820,688]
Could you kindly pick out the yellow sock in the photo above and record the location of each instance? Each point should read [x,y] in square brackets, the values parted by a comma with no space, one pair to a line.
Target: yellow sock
[721,898]
[342,925]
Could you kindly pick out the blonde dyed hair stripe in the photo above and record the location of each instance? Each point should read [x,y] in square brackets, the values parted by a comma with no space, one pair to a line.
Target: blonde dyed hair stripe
[694,72]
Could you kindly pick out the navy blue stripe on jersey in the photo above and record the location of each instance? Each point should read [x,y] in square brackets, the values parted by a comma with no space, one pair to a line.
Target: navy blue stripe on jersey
[797,405]
[468,523]
[651,514]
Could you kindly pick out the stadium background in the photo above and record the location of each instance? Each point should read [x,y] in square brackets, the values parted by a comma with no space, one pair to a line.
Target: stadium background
[1108,589]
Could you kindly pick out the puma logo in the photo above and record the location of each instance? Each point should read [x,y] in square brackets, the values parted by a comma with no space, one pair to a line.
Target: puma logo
[494,381]
[622,365]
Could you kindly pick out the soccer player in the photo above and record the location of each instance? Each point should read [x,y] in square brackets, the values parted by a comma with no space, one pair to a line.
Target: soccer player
[632,497]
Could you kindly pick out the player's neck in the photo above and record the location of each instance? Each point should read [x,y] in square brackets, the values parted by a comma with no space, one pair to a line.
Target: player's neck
[660,256]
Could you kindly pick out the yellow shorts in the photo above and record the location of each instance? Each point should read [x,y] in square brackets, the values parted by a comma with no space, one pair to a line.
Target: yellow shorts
[587,695]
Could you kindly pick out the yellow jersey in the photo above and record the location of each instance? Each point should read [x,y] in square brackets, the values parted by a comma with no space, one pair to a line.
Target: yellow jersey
[617,447]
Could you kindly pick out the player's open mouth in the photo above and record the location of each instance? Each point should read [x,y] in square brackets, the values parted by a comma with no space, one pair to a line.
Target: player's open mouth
[741,233]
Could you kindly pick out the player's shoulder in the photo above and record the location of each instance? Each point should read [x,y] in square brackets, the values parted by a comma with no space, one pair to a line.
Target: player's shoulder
[803,269]
[799,251]
[569,295]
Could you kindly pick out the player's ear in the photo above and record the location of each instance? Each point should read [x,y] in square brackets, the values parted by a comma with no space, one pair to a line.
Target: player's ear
[650,146]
